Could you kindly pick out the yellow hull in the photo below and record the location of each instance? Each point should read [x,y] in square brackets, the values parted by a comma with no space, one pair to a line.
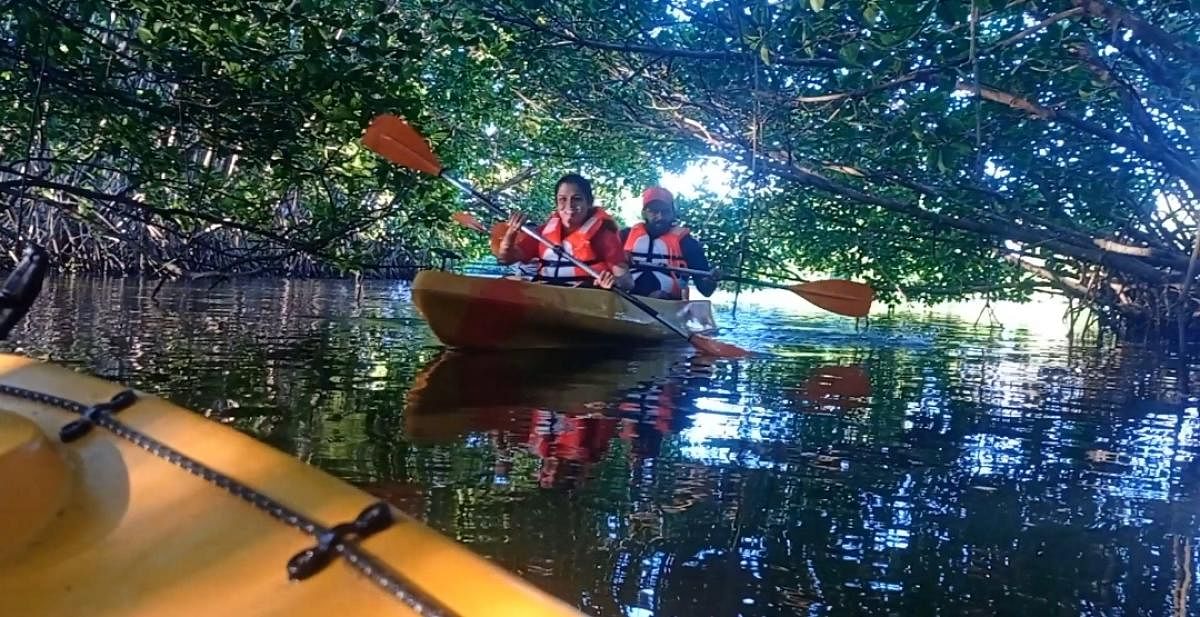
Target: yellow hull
[496,313]
[103,526]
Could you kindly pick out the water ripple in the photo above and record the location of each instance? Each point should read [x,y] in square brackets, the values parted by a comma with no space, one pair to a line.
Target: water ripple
[915,466]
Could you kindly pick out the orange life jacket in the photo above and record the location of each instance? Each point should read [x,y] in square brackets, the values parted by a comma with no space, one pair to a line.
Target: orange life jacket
[570,437]
[556,269]
[665,250]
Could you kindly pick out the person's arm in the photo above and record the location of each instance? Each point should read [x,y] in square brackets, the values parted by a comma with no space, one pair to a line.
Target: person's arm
[514,245]
[693,254]
[622,237]
[609,248]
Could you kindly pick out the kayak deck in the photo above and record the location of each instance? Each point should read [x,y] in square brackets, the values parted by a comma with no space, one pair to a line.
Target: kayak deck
[497,313]
[195,518]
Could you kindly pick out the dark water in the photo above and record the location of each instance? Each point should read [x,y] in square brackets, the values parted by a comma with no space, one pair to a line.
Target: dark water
[914,468]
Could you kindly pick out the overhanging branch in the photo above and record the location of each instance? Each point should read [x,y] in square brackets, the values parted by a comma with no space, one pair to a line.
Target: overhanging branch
[661,52]
[1171,160]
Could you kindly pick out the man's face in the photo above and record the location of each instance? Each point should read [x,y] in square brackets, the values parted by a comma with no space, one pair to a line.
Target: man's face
[658,212]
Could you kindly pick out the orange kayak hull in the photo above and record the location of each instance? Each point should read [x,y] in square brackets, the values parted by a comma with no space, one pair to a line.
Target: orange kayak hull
[471,312]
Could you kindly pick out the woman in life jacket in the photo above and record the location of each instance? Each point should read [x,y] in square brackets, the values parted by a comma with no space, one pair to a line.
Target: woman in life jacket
[661,241]
[583,230]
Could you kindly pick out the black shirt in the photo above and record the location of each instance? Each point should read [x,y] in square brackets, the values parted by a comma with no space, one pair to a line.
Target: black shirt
[645,282]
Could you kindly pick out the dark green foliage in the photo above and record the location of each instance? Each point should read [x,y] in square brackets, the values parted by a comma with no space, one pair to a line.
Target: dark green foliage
[874,157]
[860,143]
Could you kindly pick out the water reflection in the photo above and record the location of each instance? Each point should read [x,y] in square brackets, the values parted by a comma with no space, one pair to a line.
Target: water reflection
[919,468]
[559,406]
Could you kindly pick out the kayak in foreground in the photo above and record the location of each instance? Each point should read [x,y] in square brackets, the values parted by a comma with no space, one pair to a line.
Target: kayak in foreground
[497,313]
[116,502]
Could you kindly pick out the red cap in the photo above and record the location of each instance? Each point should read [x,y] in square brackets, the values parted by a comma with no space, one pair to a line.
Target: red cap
[657,193]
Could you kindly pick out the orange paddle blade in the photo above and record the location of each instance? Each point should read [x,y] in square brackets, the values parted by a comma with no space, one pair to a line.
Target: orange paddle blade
[838,296]
[397,141]
[470,222]
[497,236]
[712,347]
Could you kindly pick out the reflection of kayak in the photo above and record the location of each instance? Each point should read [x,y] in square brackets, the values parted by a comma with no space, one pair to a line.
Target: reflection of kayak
[115,522]
[459,392]
[563,407]
[499,313]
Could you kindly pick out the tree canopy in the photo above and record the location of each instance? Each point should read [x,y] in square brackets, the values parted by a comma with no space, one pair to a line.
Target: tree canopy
[224,135]
[934,149]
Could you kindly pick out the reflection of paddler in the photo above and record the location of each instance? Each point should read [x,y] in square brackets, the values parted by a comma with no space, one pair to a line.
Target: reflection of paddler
[578,438]
[646,416]
[568,445]
[650,410]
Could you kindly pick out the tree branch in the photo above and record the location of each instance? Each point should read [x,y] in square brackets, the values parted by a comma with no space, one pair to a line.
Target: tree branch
[1070,286]
[1141,29]
[1189,172]
[167,212]
[803,175]
[926,73]
[663,52]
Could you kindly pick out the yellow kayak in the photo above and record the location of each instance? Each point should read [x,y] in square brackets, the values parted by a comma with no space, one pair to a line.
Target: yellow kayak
[498,313]
[149,509]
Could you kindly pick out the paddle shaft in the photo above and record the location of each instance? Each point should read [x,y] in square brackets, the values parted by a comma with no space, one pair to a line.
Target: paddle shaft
[22,287]
[533,233]
[703,273]
[838,296]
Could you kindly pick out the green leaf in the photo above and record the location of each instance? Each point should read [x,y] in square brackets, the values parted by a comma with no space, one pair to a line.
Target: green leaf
[145,35]
[871,13]
[888,39]
[765,54]
[953,11]
[817,5]
[849,54]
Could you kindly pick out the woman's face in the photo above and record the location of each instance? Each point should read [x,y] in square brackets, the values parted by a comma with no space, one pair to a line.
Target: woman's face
[571,204]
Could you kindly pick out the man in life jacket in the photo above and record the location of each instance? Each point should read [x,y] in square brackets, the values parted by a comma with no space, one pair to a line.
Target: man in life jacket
[661,241]
[583,230]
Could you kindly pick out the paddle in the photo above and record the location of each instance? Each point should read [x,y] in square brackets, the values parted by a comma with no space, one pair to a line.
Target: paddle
[835,295]
[470,222]
[22,287]
[400,143]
